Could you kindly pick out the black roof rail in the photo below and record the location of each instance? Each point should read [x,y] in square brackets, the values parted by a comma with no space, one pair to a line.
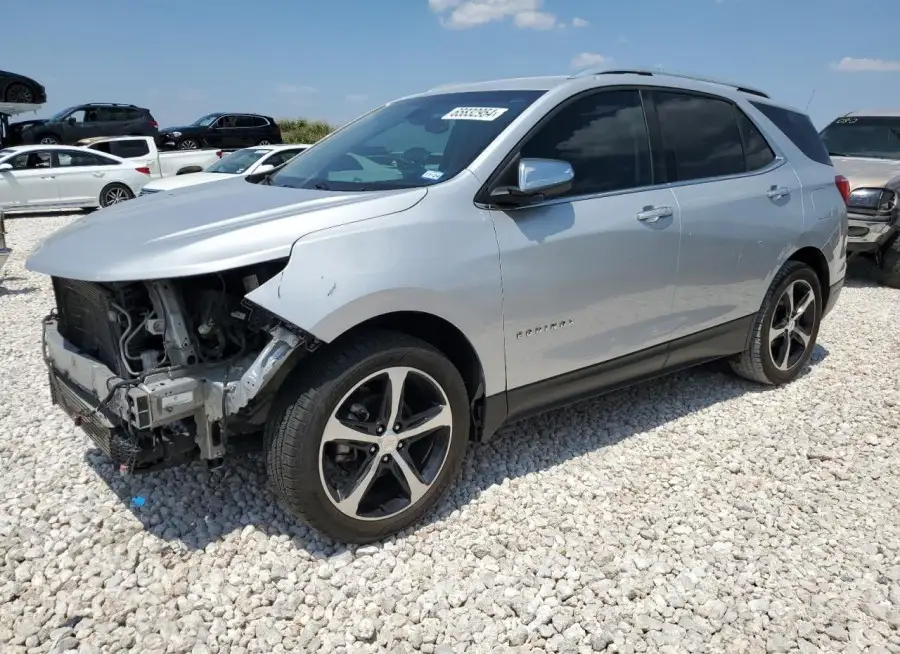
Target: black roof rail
[649,72]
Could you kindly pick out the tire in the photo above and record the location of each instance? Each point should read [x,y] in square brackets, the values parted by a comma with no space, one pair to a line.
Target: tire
[188,144]
[759,362]
[299,461]
[19,93]
[115,193]
[49,139]
[889,264]
[264,142]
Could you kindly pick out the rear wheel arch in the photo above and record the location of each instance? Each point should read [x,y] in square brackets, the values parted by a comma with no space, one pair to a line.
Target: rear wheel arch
[815,259]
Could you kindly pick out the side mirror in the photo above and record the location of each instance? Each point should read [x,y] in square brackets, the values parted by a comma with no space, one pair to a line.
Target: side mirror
[5,166]
[538,179]
[72,120]
[264,168]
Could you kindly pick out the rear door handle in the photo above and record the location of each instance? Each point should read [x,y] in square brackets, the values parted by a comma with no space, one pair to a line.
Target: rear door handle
[652,215]
[777,192]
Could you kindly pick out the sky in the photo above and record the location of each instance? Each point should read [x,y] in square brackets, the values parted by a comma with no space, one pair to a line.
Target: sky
[334,60]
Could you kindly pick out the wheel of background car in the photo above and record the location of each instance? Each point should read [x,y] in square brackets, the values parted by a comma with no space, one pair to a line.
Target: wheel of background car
[49,139]
[366,436]
[114,194]
[785,329]
[189,169]
[889,264]
[264,142]
[188,144]
[18,92]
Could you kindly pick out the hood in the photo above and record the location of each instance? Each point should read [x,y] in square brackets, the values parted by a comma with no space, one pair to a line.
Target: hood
[184,129]
[22,124]
[868,172]
[183,181]
[202,229]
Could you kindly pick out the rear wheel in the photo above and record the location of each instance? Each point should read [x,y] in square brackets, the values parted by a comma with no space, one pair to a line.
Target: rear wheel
[114,194]
[49,139]
[889,263]
[367,438]
[20,93]
[785,329]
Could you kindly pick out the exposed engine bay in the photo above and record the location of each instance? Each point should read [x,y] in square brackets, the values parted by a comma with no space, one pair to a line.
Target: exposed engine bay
[164,371]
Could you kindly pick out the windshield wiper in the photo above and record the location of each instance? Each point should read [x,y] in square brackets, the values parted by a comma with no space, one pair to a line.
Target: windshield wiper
[321,187]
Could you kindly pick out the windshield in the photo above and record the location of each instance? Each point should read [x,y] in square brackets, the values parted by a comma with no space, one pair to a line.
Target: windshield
[205,121]
[406,144]
[238,161]
[62,114]
[877,137]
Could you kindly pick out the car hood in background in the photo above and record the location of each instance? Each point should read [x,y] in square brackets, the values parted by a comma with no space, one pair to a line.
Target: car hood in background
[183,181]
[202,229]
[867,172]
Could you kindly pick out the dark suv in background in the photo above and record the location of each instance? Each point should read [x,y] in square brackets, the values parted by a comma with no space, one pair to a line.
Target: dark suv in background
[83,121]
[223,130]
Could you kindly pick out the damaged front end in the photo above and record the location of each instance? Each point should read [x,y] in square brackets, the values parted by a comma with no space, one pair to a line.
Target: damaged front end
[163,372]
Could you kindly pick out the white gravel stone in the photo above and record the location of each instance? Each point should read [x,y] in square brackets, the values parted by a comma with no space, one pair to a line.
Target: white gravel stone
[694,513]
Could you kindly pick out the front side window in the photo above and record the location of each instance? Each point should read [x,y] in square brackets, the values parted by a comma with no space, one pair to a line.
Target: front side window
[604,137]
[237,162]
[701,137]
[861,136]
[281,156]
[30,161]
[205,121]
[407,144]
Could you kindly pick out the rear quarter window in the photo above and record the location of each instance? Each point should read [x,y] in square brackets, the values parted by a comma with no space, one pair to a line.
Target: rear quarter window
[799,129]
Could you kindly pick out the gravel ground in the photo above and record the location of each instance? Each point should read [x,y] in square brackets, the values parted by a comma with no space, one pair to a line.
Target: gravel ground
[695,513]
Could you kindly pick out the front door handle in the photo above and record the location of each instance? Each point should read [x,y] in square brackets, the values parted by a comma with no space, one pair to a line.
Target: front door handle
[652,215]
[48,176]
[777,192]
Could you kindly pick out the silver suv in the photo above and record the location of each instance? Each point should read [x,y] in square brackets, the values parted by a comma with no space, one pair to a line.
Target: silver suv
[444,264]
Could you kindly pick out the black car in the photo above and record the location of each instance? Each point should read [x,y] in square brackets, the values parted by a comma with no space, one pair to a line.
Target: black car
[83,121]
[223,130]
[18,89]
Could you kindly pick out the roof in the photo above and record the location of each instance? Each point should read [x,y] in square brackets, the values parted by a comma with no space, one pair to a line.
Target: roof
[875,113]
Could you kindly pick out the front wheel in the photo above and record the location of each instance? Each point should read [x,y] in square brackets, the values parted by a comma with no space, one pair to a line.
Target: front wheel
[188,144]
[889,264]
[114,194]
[785,328]
[368,436]
[49,139]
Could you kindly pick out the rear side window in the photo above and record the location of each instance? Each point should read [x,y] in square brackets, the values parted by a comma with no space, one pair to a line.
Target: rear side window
[130,149]
[258,121]
[701,137]
[799,129]
[756,149]
[604,136]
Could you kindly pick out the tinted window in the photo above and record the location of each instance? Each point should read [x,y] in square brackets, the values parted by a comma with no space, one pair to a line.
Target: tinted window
[245,121]
[130,148]
[409,143]
[604,137]
[700,136]
[756,149]
[283,155]
[861,136]
[257,121]
[69,158]
[799,129]
[30,161]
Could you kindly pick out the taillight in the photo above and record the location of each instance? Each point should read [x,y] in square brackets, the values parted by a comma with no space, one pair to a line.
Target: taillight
[219,154]
[843,185]
[143,169]
[154,124]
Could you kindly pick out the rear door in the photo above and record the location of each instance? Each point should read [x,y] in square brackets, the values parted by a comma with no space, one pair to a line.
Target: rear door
[81,175]
[737,199]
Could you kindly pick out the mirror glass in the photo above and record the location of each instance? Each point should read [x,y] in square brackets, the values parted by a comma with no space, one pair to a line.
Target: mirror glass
[537,175]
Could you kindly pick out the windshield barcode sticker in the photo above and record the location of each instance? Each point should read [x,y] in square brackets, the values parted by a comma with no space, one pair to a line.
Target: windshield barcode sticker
[475,113]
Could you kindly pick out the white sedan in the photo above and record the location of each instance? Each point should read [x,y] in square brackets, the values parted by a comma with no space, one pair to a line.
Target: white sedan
[245,161]
[41,177]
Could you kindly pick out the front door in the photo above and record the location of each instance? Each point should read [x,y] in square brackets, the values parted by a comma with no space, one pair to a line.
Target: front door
[30,183]
[736,199]
[590,277]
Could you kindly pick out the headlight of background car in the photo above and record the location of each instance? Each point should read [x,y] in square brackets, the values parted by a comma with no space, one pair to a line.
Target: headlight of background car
[175,134]
[875,201]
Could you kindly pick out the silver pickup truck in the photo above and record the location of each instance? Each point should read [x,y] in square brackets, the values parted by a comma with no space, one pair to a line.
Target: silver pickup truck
[865,148]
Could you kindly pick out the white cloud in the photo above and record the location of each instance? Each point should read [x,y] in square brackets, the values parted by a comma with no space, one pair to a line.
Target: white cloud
[588,59]
[579,22]
[463,14]
[357,97]
[854,65]
[293,89]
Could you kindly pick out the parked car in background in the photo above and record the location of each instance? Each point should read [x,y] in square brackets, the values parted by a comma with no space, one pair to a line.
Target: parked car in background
[247,161]
[42,177]
[143,151]
[865,148]
[510,246]
[18,89]
[82,121]
[223,130]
